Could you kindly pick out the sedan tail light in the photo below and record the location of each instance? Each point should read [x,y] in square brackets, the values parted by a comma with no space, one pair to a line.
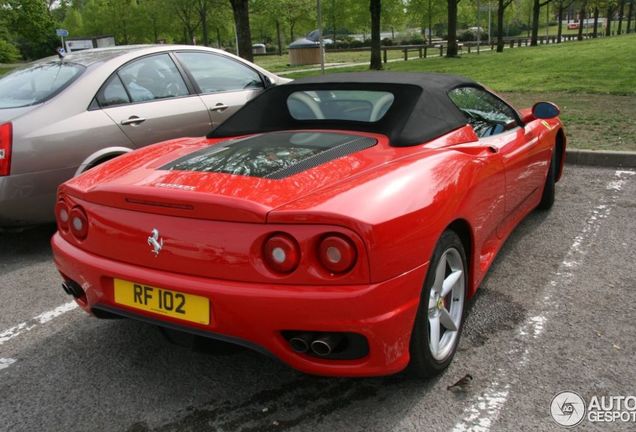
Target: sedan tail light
[281,253]
[79,223]
[6,144]
[337,254]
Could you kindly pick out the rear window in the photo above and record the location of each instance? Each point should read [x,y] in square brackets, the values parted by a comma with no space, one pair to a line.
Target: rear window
[347,105]
[37,83]
[273,155]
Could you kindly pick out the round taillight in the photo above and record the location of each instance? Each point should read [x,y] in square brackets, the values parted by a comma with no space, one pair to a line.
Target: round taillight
[281,253]
[337,254]
[62,215]
[78,223]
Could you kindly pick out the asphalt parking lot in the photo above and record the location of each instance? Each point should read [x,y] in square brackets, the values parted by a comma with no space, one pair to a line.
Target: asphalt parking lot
[557,312]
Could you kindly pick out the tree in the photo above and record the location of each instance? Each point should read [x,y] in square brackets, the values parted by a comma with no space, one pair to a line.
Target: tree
[630,12]
[611,5]
[582,19]
[375,7]
[451,49]
[536,11]
[562,6]
[30,26]
[503,4]
[621,15]
[241,11]
[188,14]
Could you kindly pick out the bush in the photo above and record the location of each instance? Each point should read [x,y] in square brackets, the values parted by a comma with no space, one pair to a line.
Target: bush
[467,36]
[8,52]
[387,42]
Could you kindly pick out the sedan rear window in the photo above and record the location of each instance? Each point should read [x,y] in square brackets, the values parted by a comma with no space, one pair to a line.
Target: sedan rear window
[37,83]
[349,105]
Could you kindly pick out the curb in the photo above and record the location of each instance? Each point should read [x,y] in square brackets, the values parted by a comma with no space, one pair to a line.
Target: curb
[625,159]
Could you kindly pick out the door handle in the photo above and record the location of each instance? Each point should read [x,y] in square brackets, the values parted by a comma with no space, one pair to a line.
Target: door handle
[219,107]
[133,120]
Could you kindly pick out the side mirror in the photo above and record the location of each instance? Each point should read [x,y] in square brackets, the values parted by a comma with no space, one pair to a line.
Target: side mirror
[545,110]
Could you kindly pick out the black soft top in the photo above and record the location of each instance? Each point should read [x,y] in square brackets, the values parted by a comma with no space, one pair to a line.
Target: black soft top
[420,112]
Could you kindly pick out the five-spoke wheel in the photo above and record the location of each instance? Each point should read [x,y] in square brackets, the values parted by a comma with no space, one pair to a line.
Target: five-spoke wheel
[440,316]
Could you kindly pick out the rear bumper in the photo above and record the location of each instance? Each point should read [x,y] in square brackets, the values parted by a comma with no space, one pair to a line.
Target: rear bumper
[254,314]
[29,198]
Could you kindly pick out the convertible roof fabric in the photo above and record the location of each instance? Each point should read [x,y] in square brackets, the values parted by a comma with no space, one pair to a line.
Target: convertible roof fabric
[421,111]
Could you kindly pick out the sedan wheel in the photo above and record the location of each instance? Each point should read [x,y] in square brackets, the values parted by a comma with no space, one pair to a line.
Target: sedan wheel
[440,317]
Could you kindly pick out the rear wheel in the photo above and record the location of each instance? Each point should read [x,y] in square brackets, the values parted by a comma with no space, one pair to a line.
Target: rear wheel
[549,189]
[440,316]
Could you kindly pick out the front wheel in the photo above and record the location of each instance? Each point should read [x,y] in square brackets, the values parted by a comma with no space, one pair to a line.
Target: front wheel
[440,316]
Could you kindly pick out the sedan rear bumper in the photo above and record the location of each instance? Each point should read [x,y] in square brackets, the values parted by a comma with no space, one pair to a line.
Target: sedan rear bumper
[29,198]
[254,315]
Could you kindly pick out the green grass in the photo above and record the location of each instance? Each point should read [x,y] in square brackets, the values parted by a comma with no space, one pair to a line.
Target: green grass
[604,66]
[274,63]
[592,121]
[593,81]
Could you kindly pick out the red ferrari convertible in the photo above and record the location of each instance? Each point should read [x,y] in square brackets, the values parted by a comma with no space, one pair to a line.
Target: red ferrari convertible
[338,223]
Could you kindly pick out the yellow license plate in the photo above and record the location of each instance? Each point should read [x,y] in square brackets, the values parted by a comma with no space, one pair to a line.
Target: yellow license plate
[174,304]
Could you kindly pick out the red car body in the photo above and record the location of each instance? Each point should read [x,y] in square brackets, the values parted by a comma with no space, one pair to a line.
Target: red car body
[391,203]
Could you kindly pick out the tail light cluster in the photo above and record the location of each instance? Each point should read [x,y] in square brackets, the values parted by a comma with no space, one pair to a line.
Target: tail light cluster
[72,219]
[335,253]
[6,144]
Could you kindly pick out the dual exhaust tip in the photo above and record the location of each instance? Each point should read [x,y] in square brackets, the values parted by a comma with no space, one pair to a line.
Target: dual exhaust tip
[323,345]
[72,288]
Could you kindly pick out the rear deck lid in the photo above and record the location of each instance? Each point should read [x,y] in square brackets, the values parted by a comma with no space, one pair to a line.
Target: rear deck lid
[234,180]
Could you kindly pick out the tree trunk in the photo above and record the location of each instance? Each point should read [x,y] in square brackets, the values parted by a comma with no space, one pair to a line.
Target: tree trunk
[218,38]
[375,7]
[500,20]
[581,21]
[595,34]
[536,10]
[241,12]
[279,39]
[333,20]
[630,12]
[292,24]
[621,14]
[203,17]
[560,27]
[430,22]
[608,26]
[451,49]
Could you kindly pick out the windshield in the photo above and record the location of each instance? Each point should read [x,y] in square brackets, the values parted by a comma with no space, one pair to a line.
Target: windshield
[36,84]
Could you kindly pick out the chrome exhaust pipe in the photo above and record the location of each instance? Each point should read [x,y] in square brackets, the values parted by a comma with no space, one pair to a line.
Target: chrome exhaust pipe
[300,343]
[325,345]
[72,288]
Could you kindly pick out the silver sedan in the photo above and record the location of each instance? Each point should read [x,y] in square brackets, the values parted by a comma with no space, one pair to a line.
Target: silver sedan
[61,117]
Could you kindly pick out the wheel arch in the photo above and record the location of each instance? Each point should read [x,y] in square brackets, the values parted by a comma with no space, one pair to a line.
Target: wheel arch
[99,157]
[464,231]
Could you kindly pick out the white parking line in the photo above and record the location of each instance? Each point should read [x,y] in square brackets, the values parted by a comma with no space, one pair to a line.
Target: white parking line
[43,318]
[485,409]
[6,362]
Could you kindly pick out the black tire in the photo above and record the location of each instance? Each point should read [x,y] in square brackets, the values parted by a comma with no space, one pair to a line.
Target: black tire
[422,363]
[549,189]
